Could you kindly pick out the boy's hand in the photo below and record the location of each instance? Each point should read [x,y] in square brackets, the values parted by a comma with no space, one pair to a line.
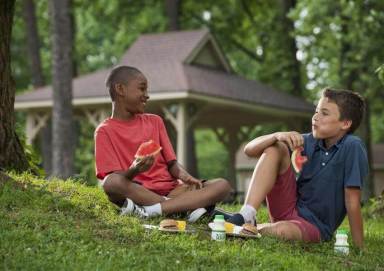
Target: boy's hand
[292,139]
[143,164]
[193,182]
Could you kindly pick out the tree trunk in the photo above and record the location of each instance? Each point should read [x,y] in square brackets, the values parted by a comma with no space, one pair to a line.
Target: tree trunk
[191,153]
[291,46]
[368,186]
[46,147]
[172,9]
[73,39]
[62,114]
[33,43]
[12,156]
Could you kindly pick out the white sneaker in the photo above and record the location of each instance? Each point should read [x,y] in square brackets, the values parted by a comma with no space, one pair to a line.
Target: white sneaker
[129,207]
[196,214]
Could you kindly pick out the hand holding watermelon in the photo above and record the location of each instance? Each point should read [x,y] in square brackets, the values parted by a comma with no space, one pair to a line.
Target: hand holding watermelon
[298,160]
[149,148]
[145,156]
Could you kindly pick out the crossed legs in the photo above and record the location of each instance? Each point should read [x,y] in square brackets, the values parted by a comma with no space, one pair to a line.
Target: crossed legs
[182,199]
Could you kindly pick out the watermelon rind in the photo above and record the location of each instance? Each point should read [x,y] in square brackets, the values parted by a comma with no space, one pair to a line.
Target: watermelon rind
[296,164]
[148,144]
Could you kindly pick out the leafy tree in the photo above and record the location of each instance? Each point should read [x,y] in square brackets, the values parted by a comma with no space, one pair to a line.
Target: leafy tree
[254,36]
[341,46]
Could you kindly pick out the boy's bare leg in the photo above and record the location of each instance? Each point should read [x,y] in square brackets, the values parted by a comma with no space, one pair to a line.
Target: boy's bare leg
[282,229]
[118,188]
[275,160]
[183,199]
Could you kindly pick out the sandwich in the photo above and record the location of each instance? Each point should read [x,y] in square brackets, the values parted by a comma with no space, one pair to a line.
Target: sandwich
[168,224]
[249,229]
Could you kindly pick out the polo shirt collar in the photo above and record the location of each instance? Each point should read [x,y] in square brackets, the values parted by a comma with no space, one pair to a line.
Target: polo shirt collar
[320,143]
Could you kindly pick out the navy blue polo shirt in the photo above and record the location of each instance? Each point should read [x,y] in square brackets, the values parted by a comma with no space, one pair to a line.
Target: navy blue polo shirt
[321,184]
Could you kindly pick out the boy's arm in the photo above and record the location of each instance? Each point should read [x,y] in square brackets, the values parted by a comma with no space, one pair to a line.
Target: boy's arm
[138,166]
[256,147]
[180,173]
[352,204]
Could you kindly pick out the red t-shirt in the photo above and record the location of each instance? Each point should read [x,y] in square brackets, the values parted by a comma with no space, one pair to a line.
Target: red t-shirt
[116,142]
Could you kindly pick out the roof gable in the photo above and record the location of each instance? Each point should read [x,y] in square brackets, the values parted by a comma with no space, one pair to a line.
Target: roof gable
[174,48]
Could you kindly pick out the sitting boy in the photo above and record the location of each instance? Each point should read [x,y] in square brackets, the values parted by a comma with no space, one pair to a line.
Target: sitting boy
[329,186]
[153,185]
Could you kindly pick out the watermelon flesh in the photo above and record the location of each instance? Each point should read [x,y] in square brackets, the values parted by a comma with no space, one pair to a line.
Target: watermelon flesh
[298,160]
[147,148]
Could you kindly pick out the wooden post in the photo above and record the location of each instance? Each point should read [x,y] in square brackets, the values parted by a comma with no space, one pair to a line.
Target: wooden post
[35,121]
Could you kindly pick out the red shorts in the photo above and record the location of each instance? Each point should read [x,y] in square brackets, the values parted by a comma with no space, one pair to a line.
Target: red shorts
[281,202]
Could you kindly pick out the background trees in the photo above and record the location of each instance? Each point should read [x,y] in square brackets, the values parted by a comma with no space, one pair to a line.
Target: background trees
[296,46]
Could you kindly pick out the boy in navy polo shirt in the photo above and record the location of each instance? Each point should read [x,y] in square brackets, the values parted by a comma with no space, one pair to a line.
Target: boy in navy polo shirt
[329,186]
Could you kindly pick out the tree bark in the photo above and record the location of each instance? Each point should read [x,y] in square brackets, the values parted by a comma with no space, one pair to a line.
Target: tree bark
[62,114]
[368,186]
[291,46]
[12,156]
[172,10]
[33,43]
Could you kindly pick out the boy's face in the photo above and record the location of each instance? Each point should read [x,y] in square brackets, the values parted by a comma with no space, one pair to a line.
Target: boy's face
[326,123]
[133,96]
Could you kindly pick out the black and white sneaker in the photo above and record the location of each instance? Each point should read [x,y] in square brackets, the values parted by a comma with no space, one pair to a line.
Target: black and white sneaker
[196,215]
[239,220]
[130,208]
[219,211]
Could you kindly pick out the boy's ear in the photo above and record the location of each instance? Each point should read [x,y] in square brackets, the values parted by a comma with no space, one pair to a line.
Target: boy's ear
[119,89]
[346,124]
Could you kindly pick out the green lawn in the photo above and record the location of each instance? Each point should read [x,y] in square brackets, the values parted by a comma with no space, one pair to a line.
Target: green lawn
[69,226]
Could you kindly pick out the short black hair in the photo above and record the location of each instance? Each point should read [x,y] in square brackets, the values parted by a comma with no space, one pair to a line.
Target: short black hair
[351,105]
[120,75]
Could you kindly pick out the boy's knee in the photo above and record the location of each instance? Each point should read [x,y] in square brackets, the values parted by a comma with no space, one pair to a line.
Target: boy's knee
[114,183]
[287,231]
[225,185]
[220,186]
[278,148]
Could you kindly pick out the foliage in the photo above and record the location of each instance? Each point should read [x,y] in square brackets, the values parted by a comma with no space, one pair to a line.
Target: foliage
[376,207]
[61,225]
[103,31]
[211,155]
[340,43]
[258,47]
[380,73]
[85,158]
[32,155]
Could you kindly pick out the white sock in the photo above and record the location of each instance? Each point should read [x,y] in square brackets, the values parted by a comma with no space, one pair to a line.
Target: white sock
[249,213]
[153,210]
[166,198]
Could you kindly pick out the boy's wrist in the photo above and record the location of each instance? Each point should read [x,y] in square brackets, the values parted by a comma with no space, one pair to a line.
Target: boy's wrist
[132,172]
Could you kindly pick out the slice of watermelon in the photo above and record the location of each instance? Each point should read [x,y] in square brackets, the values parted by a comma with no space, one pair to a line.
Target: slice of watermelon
[298,160]
[148,148]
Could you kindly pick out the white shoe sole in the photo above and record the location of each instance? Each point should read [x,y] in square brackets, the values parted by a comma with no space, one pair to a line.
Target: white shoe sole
[196,214]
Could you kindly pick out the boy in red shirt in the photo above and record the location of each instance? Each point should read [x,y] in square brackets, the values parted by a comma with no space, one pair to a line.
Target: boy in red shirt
[153,185]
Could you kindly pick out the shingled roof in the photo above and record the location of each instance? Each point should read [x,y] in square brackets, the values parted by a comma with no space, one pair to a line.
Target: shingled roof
[173,62]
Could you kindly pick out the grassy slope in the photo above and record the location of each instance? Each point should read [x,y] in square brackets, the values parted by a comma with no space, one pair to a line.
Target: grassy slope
[67,226]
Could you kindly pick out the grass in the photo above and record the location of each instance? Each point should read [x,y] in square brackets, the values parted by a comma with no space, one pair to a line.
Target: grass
[61,225]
